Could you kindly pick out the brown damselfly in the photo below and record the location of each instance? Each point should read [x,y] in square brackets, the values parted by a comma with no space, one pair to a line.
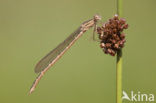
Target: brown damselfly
[46,62]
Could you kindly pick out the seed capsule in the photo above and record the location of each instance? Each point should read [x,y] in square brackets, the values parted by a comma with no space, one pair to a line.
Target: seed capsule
[116,46]
[122,36]
[125,26]
[102,45]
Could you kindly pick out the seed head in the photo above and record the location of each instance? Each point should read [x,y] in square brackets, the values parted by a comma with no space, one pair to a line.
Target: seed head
[112,36]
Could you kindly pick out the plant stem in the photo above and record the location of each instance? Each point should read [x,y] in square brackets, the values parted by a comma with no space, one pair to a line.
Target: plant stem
[119,62]
[119,77]
[119,7]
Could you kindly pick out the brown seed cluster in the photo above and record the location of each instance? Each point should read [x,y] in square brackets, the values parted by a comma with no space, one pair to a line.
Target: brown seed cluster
[112,36]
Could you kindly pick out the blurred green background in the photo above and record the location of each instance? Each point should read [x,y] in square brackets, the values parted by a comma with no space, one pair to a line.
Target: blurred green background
[29,29]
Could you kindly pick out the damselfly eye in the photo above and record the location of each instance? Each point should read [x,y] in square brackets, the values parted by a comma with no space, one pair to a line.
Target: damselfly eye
[97,17]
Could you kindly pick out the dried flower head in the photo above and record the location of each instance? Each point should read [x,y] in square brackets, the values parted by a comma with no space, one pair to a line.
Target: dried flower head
[112,36]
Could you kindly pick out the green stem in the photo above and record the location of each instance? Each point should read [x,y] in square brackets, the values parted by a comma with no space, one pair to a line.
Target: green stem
[119,7]
[119,77]
[119,62]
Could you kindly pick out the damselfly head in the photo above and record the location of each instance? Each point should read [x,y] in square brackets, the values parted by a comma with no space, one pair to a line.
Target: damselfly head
[97,17]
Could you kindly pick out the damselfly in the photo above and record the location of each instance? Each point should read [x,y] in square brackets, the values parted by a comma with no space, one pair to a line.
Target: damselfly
[46,62]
